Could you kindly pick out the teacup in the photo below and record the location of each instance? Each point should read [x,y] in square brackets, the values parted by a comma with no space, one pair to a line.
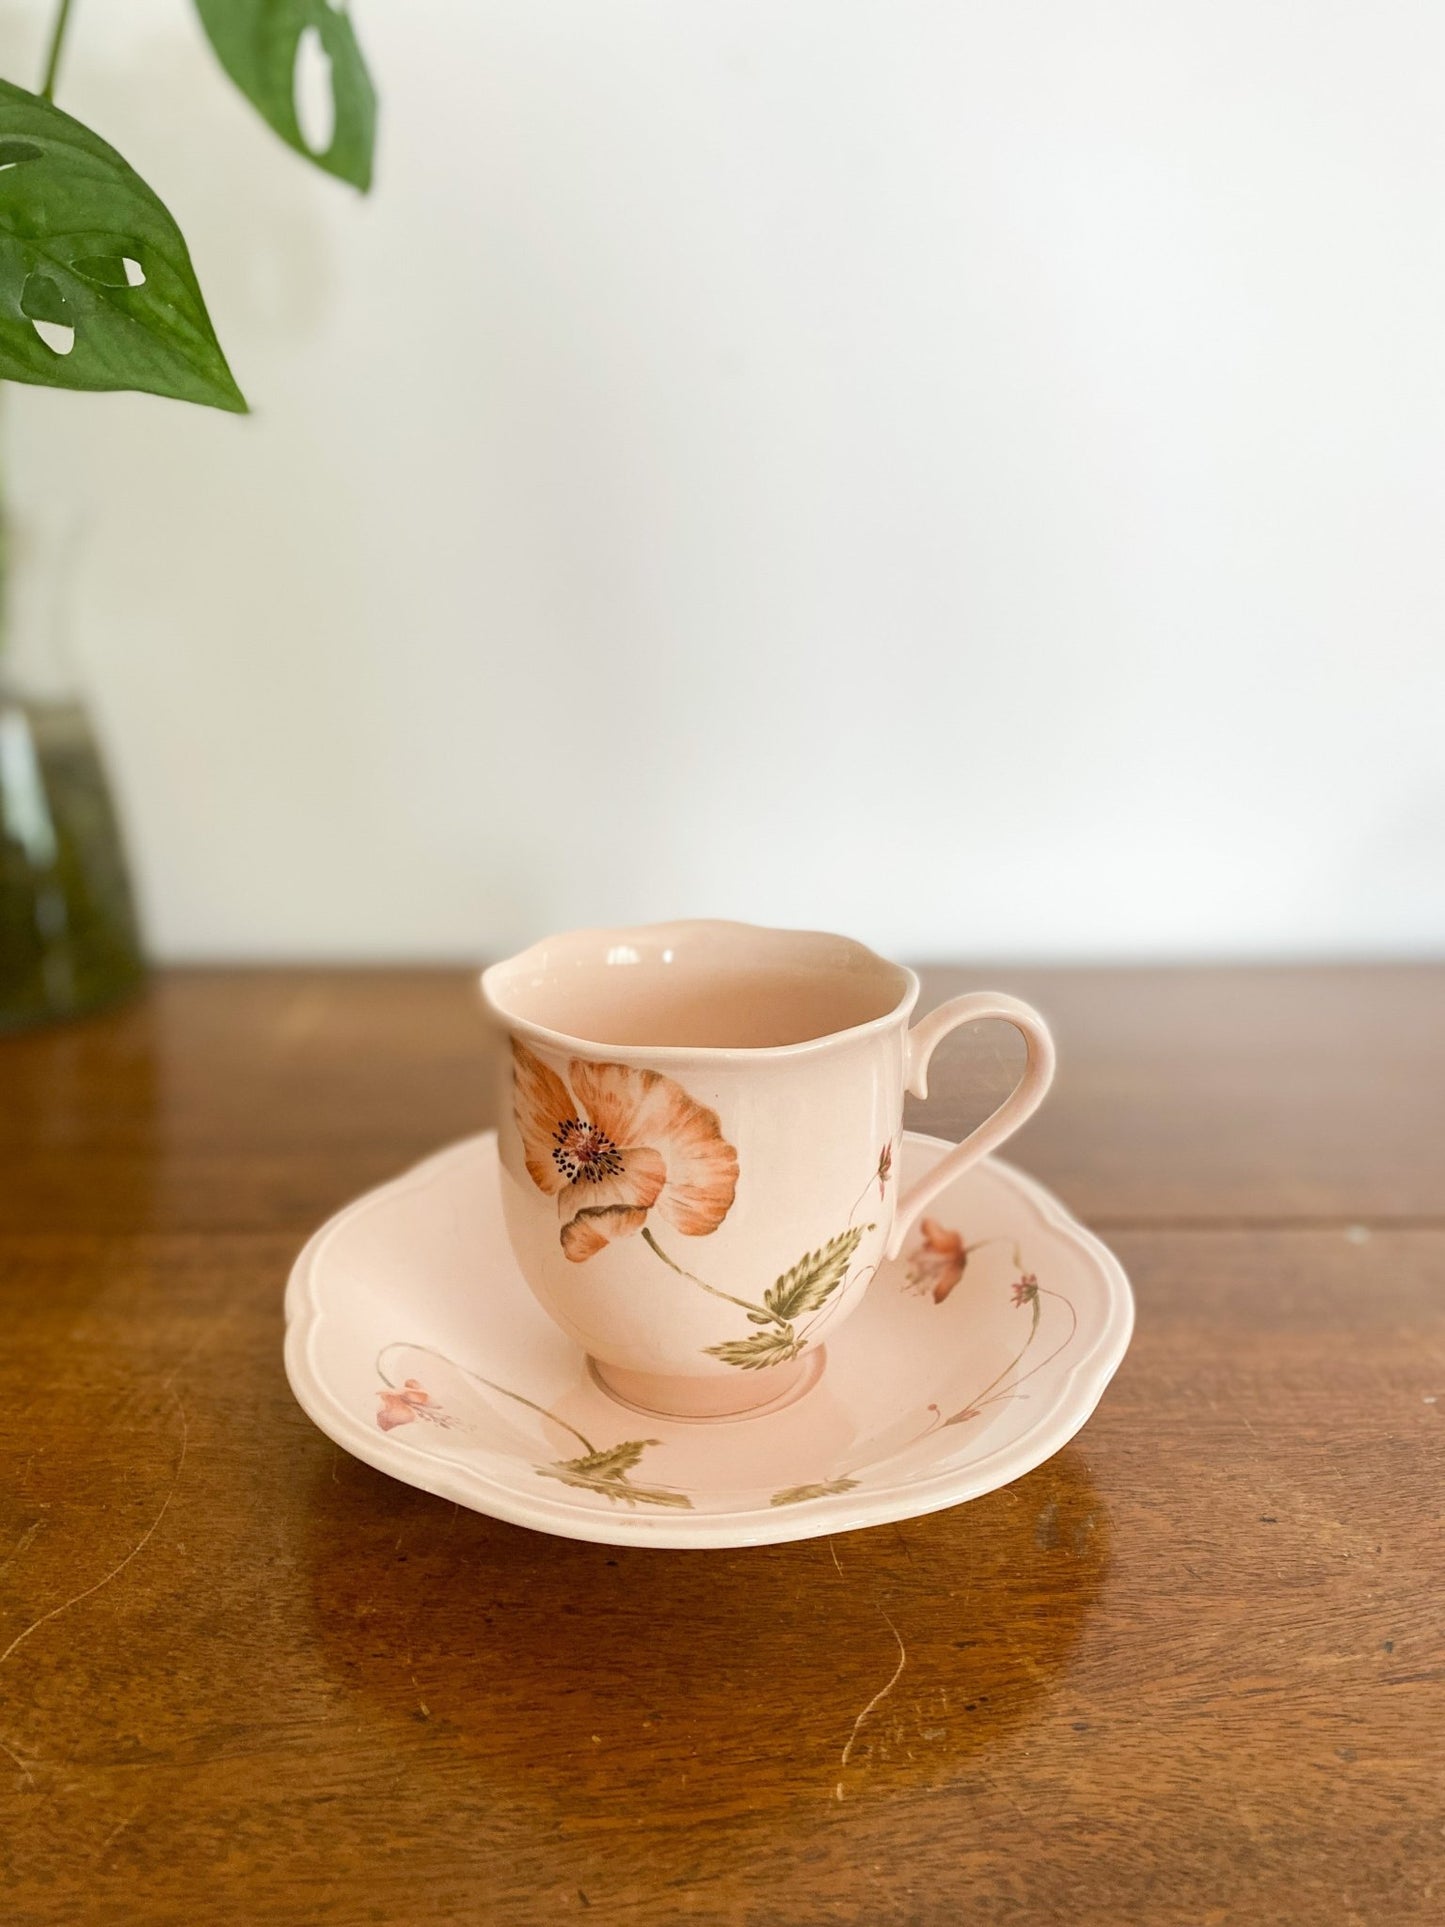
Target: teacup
[700,1134]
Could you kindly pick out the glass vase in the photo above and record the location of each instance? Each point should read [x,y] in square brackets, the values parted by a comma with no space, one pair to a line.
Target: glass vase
[69,939]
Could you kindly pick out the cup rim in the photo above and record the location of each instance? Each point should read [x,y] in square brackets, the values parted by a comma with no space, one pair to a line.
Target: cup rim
[575,1045]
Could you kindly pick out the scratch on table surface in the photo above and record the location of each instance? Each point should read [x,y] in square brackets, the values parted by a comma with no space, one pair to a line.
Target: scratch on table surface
[834,1550]
[877,1698]
[1004,1794]
[206,1340]
[115,1571]
[21,1544]
[119,1828]
[15,1759]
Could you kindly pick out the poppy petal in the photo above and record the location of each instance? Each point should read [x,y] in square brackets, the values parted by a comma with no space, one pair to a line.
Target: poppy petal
[642,1107]
[939,1238]
[635,1186]
[395,1410]
[702,1179]
[540,1104]
[593,1228]
[612,1095]
[702,1167]
[946,1281]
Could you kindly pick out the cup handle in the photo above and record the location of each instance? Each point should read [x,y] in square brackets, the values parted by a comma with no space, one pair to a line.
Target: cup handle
[1022,1101]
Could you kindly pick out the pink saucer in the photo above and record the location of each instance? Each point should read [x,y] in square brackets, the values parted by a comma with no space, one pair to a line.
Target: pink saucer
[413,1342]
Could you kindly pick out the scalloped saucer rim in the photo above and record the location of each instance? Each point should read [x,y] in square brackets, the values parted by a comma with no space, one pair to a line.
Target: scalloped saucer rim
[822,1506]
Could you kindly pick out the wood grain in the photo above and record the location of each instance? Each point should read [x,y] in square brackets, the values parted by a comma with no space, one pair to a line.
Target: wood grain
[1192,1670]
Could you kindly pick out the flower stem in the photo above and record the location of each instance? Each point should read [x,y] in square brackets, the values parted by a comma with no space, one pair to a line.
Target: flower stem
[57,41]
[490,1384]
[747,1305]
[1013,1364]
[582,1439]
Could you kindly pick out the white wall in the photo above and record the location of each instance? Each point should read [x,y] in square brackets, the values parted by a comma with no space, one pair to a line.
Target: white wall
[965,471]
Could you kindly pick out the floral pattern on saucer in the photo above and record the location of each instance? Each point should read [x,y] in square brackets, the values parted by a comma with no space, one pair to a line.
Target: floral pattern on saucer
[926,1399]
[605,1470]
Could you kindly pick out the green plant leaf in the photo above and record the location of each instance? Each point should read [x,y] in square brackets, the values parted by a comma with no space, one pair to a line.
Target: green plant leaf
[753,1354]
[606,1472]
[72,213]
[621,1490]
[824,1489]
[814,1279]
[612,1462]
[258,42]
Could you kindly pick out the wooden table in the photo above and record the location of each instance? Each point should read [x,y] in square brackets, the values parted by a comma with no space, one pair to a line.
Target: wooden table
[1190,1671]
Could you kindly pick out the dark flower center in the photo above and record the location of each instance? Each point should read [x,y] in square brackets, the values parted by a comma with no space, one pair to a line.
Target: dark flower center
[583,1154]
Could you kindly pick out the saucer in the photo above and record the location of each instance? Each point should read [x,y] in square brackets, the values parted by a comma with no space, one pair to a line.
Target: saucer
[412,1341]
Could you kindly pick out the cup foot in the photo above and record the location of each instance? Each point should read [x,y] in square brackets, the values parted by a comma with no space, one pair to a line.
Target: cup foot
[750,1395]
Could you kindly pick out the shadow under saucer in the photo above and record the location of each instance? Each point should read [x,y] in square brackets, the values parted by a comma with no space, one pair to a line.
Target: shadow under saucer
[564,1673]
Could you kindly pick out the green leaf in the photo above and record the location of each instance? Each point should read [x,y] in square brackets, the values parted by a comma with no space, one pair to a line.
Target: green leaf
[106,270]
[612,1462]
[72,213]
[824,1489]
[763,1349]
[258,43]
[606,1472]
[814,1279]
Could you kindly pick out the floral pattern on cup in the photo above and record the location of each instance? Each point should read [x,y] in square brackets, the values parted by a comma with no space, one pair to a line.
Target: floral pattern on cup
[617,1145]
[804,1288]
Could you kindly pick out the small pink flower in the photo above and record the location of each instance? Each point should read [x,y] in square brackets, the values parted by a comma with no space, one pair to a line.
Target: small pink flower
[1026,1291]
[937,1265]
[885,1168]
[411,1402]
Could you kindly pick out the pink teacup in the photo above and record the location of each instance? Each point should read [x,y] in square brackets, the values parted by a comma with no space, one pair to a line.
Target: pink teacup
[699,1138]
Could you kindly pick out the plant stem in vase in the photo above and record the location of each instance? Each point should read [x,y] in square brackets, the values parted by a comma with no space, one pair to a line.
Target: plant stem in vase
[69,940]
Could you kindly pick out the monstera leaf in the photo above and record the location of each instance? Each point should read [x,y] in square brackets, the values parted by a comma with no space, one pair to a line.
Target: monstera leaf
[96,284]
[258,43]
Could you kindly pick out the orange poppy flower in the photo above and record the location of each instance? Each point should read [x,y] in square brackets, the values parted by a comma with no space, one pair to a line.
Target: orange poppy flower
[618,1144]
[937,1265]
